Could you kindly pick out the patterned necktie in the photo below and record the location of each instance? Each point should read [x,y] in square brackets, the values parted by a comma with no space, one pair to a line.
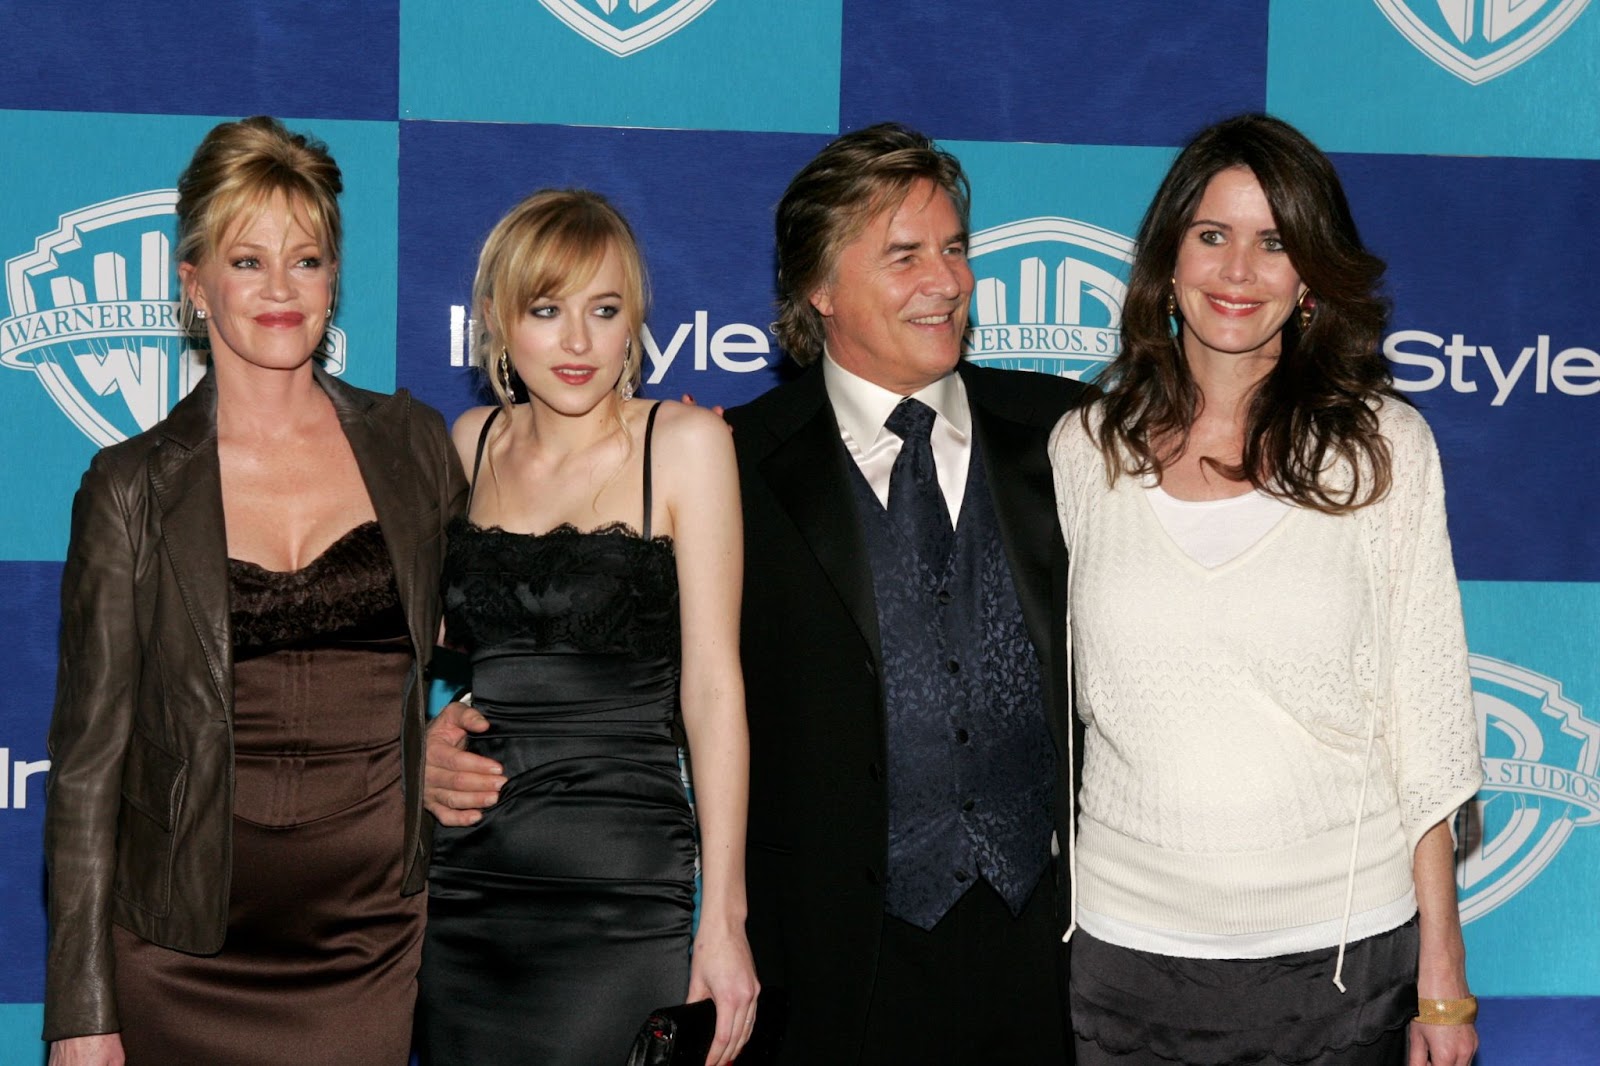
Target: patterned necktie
[915,501]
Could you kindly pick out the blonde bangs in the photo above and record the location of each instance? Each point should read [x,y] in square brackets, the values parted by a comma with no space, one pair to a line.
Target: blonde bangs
[551,244]
[237,207]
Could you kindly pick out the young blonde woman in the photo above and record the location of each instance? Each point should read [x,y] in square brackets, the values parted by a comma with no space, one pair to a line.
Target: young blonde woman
[595,583]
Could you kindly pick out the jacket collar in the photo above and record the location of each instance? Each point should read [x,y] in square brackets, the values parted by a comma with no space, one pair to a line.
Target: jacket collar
[1022,487]
[186,480]
[192,422]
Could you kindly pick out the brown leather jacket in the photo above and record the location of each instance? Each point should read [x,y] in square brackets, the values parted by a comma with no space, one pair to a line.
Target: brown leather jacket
[138,820]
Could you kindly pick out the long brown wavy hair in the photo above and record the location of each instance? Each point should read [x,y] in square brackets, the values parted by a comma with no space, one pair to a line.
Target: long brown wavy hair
[1314,413]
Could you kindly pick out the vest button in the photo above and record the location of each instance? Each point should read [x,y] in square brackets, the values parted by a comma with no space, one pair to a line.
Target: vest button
[961,877]
[967,806]
[961,736]
[943,597]
[953,666]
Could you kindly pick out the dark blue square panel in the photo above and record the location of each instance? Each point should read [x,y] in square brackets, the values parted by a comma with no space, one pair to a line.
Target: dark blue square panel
[1539,1031]
[701,204]
[1493,335]
[30,612]
[1147,73]
[314,58]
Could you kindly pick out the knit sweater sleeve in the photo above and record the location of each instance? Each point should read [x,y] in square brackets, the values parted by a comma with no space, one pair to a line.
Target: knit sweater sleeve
[1433,726]
[1074,460]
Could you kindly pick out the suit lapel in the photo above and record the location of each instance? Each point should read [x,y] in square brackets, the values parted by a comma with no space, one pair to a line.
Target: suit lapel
[379,446]
[186,483]
[1021,486]
[809,476]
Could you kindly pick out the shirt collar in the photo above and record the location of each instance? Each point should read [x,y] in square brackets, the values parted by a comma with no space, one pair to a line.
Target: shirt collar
[861,407]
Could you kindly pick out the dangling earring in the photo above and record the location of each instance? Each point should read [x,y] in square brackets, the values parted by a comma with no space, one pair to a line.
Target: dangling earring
[1305,310]
[1172,311]
[503,369]
[625,384]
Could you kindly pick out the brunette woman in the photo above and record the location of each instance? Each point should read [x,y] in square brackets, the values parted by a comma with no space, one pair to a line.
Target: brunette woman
[1269,651]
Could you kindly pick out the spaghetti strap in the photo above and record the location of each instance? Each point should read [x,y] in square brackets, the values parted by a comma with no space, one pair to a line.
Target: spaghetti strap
[649,430]
[477,460]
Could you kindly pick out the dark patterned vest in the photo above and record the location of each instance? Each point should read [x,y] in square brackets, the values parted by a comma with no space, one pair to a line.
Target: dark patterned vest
[971,765]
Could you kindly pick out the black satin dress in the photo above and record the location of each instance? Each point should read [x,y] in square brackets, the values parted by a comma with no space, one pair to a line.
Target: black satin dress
[559,921]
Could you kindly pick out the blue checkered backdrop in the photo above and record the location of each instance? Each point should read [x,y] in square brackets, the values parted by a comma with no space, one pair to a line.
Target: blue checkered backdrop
[1467,131]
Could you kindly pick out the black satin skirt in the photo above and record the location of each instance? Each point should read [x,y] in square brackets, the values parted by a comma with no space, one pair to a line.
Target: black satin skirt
[559,921]
[1134,1008]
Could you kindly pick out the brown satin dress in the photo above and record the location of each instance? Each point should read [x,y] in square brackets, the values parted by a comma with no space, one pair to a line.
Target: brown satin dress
[320,962]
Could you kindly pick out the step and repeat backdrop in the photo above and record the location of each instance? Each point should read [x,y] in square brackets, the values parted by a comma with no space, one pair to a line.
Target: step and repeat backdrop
[1467,133]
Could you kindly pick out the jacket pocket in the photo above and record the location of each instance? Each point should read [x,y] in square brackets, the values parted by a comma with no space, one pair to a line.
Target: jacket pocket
[153,781]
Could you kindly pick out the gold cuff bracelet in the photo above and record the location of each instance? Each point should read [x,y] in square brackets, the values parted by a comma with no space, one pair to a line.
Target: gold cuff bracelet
[1447,1011]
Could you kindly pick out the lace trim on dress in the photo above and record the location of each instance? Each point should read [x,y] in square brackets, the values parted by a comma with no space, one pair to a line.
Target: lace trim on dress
[350,584]
[501,586]
[618,528]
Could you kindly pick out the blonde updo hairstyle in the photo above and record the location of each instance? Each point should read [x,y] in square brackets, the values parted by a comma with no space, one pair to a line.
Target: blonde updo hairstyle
[546,247]
[236,171]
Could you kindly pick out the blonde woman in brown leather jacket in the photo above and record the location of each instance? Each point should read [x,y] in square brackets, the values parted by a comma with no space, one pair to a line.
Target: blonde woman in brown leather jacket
[234,833]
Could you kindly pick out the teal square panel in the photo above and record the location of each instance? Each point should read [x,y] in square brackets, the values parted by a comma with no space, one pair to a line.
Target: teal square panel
[20,1024]
[768,65]
[90,347]
[1052,241]
[1531,844]
[1446,77]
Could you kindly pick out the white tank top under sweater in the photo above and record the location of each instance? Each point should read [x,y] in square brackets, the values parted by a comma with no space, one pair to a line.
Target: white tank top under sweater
[1213,531]
[1237,714]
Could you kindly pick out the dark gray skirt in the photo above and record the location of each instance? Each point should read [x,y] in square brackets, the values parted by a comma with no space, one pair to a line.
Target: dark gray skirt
[1131,1008]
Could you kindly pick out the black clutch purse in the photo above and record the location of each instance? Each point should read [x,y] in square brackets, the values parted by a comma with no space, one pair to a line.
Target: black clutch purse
[682,1035]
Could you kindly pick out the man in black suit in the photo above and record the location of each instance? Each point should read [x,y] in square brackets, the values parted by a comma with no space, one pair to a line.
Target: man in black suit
[903,639]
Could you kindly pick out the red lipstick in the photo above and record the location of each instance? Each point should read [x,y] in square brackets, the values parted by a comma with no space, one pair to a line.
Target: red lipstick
[280,319]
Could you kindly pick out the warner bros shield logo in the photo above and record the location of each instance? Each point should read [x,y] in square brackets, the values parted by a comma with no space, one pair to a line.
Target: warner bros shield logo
[623,27]
[94,314]
[1481,39]
[1048,296]
[1540,762]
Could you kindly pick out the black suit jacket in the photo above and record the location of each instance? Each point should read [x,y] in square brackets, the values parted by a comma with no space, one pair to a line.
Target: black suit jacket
[139,815]
[818,830]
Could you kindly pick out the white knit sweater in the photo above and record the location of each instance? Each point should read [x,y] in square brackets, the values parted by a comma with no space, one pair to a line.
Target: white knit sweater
[1230,711]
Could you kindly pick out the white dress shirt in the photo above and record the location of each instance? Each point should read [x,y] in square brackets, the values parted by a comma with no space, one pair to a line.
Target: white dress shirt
[861,408]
